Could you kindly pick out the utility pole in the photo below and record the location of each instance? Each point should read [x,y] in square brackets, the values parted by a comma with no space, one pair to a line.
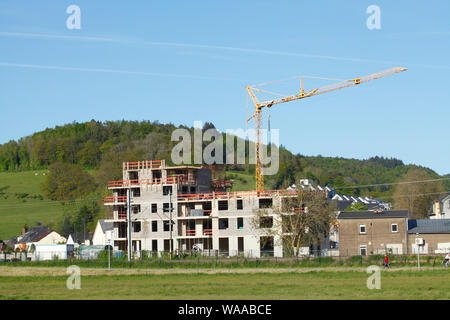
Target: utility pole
[418,251]
[170,222]
[129,223]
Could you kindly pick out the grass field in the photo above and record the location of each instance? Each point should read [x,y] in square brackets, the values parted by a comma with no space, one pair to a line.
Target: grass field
[400,284]
[20,202]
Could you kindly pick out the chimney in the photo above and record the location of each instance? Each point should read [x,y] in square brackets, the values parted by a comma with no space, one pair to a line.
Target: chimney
[24,229]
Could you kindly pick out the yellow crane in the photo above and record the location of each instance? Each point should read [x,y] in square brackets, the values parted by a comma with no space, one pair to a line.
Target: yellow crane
[257,115]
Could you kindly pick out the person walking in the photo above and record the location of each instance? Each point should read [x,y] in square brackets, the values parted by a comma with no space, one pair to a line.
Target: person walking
[386,262]
[446,259]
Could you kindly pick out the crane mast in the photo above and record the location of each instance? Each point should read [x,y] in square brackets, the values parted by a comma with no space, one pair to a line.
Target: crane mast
[257,115]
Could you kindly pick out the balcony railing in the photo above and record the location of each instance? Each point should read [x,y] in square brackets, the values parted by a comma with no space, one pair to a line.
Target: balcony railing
[190,232]
[237,194]
[175,179]
[207,232]
[142,165]
[115,199]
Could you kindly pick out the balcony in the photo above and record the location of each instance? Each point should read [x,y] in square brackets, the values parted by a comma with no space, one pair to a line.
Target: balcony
[142,165]
[190,232]
[173,179]
[115,200]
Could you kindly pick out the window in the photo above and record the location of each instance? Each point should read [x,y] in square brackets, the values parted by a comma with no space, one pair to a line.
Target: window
[136,227]
[167,190]
[266,222]
[155,245]
[167,243]
[239,205]
[362,228]
[154,226]
[363,250]
[394,227]
[136,208]
[223,204]
[265,203]
[166,225]
[240,244]
[240,223]
[223,224]
[154,208]
[166,207]
[136,192]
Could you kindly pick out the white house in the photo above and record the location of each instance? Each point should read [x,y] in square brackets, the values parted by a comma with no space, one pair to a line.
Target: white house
[440,209]
[99,237]
[38,235]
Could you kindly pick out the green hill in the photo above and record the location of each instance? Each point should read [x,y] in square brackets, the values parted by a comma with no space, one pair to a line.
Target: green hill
[100,148]
[21,202]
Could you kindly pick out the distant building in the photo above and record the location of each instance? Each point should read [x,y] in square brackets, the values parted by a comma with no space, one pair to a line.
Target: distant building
[343,201]
[435,233]
[38,235]
[440,208]
[80,238]
[99,237]
[373,232]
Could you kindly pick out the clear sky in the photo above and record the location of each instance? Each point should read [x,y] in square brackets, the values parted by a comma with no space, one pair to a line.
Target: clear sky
[182,61]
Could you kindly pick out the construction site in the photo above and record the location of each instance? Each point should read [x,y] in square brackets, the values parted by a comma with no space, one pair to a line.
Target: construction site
[185,209]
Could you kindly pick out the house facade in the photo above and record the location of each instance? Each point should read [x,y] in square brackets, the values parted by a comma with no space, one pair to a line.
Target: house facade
[440,208]
[99,237]
[434,232]
[372,232]
[38,235]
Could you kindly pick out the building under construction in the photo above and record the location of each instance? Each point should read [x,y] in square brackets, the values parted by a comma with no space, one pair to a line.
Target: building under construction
[206,217]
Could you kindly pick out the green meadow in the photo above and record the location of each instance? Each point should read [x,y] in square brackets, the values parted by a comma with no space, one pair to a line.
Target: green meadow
[426,284]
[21,202]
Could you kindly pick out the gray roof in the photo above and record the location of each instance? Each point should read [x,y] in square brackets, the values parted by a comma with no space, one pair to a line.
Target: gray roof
[429,226]
[35,234]
[373,214]
[81,237]
[106,225]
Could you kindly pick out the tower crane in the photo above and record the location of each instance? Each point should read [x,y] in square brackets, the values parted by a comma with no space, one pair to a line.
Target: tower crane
[257,115]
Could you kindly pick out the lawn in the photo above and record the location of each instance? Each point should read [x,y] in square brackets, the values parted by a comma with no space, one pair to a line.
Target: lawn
[426,284]
[21,202]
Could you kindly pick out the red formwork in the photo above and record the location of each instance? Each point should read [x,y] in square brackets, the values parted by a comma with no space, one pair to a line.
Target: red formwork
[173,179]
[142,165]
[236,194]
[115,199]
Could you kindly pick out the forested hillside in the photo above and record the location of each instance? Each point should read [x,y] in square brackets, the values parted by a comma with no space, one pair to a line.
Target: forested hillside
[78,159]
[102,146]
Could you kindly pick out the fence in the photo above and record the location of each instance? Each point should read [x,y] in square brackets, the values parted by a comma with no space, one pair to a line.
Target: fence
[97,256]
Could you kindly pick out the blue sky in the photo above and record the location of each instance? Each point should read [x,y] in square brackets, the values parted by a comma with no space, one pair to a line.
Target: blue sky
[184,61]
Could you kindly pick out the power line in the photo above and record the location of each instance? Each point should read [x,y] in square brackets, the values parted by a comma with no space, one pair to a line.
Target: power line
[390,184]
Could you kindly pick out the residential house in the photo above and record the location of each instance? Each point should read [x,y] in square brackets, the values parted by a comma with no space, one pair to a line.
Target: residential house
[434,232]
[372,232]
[100,234]
[38,235]
[440,209]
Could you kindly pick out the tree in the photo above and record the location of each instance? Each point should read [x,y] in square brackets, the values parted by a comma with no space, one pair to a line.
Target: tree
[111,163]
[417,196]
[67,182]
[89,156]
[302,220]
